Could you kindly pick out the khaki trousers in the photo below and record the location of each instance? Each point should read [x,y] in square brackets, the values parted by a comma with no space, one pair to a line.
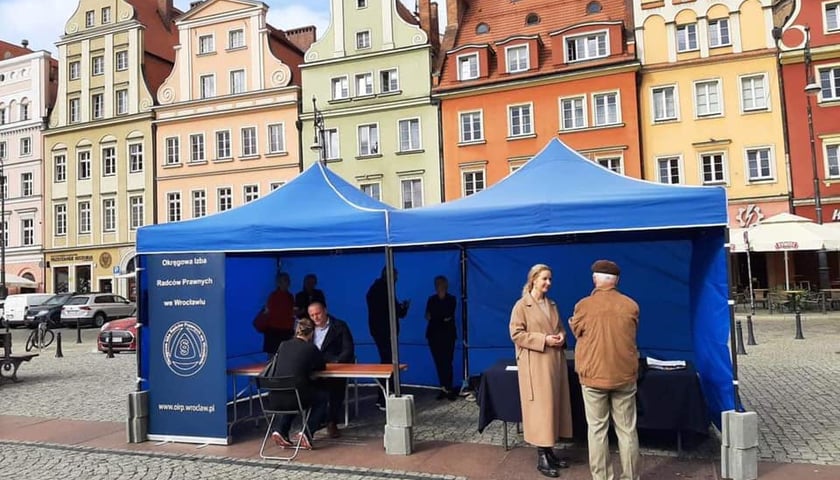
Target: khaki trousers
[620,404]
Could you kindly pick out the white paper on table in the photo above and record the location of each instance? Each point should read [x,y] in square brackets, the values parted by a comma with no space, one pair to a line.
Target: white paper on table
[665,364]
[512,368]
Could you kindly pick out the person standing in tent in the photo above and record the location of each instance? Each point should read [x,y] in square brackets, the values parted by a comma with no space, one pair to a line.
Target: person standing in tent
[380,324]
[607,361]
[539,337]
[441,334]
[277,319]
[308,295]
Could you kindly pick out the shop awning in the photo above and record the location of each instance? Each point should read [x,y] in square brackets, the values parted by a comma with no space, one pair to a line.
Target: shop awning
[785,232]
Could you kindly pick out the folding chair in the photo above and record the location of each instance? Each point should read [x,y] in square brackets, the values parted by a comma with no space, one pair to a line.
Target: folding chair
[285,386]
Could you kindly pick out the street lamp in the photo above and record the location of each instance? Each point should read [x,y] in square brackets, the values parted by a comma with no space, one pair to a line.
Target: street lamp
[812,88]
[3,289]
[319,144]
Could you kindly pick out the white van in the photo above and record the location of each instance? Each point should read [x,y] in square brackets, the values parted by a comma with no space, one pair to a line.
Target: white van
[16,305]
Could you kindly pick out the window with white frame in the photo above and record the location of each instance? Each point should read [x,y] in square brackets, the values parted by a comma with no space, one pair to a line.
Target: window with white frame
[224,199]
[669,170]
[223,144]
[98,65]
[121,60]
[207,86]
[331,142]
[713,168]
[606,108]
[471,127]
[122,101]
[60,168]
[520,120]
[84,165]
[251,193]
[27,228]
[610,163]
[135,158]
[719,33]
[409,134]
[3,116]
[586,47]
[364,84]
[412,192]
[363,39]
[74,110]
[664,103]
[173,206]
[468,67]
[98,105]
[60,219]
[109,214]
[275,185]
[759,164]
[90,18]
[199,203]
[517,58]
[236,39]
[75,70]
[26,146]
[832,159]
[573,112]
[249,141]
[4,150]
[707,98]
[197,147]
[27,184]
[687,37]
[830,83]
[389,81]
[135,206]
[206,44]
[84,216]
[173,150]
[472,181]
[276,138]
[340,88]
[106,14]
[237,81]
[24,111]
[754,93]
[832,16]
[109,161]
[368,139]
[373,190]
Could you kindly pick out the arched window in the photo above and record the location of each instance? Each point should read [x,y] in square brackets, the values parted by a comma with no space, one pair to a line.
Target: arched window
[593,7]
[482,28]
[532,19]
[24,109]
[28,276]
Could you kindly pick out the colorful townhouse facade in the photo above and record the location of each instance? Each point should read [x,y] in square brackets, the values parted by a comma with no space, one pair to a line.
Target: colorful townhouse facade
[99,172]
[810,55]
[711,112]
[369,77]
[27,92]
[514,75]
[226,120]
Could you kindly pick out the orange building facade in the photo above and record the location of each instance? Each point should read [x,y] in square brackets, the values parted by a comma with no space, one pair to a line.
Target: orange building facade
[514,76]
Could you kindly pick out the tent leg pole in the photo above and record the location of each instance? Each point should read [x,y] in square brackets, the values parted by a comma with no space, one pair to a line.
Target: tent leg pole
[464,335]
[732,340]
[392,318]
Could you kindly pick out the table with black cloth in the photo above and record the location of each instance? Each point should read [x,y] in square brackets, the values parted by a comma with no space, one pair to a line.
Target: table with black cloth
[666,400]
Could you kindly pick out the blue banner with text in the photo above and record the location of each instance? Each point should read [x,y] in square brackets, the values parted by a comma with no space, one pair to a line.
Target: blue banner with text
[187,379]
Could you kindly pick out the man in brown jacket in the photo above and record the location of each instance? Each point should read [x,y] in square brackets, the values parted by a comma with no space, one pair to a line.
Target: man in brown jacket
[607,362]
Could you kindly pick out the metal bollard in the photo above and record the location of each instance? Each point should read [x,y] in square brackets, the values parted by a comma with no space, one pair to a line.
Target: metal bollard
[78,332]
[7,324]
[739,339]
[799,335]
[750,334]
[58,352]
[110,345]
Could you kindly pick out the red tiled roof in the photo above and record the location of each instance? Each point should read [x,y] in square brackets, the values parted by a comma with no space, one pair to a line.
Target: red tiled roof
[161,33]
[406,14]
[10,50]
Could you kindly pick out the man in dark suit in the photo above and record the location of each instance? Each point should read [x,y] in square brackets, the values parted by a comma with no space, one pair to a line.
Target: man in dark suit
[308,295]
[380,324]
[333,338]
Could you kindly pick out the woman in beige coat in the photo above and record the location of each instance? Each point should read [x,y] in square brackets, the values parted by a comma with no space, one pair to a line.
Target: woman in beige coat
[539,337]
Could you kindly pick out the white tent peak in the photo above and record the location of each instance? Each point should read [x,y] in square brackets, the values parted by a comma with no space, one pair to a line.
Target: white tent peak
[785,218]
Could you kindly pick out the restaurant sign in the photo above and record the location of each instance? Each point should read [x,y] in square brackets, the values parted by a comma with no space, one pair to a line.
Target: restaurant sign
[787,245]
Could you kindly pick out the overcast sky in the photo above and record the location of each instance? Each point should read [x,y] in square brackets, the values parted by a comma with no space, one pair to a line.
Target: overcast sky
[42,21]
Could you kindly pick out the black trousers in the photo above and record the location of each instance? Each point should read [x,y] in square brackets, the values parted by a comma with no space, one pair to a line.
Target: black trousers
[335,388]
[442,347]
[383,345]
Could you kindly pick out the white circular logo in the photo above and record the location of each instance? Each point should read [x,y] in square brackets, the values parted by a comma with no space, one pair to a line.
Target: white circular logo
[185,348]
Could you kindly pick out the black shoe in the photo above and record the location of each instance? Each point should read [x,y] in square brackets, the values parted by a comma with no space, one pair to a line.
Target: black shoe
[544,465]
[554,460]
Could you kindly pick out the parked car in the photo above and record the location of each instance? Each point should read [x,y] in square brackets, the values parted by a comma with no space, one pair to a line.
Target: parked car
[95,309]
[16,306]
[49,311]
[124,335]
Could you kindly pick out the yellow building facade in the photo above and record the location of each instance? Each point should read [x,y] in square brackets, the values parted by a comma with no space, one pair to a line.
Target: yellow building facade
[98,148]
[711,112]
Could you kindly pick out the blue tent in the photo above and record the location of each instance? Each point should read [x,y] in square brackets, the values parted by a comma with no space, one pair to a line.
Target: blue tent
[567,211]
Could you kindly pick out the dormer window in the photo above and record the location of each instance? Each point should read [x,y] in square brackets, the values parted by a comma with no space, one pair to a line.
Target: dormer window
[468,67]
[517,58]
[482,28]
[363,40]
[586,47]
[532,19]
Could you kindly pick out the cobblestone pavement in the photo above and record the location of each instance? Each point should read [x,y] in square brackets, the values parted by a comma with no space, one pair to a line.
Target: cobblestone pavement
[26,461]
[794,386]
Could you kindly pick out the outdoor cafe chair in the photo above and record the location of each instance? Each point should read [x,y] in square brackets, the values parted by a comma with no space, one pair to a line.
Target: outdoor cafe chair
[285,386]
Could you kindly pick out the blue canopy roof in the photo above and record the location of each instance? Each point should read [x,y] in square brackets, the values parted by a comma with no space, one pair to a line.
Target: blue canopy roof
[316,210]
[560,192]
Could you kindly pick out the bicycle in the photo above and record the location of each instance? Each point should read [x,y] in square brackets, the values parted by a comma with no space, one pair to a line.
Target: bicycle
[41,337]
